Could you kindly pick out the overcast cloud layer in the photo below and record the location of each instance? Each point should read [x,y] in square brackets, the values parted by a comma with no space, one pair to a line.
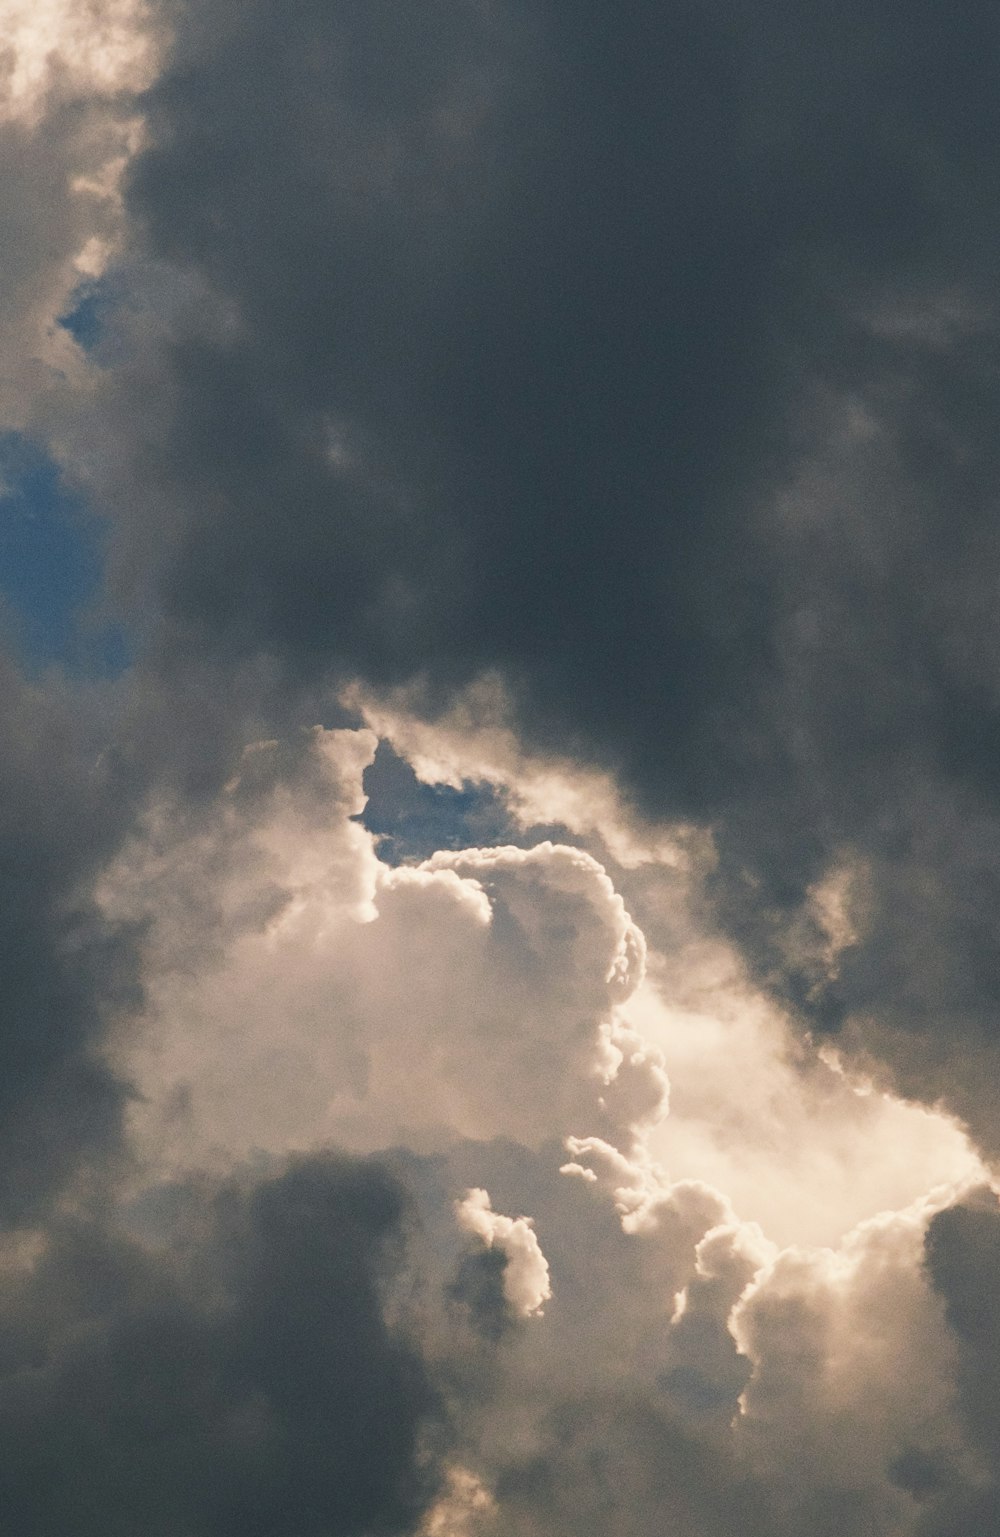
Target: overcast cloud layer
[500,963]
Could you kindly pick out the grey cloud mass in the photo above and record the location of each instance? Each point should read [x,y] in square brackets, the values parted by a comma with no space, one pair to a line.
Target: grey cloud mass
[961,1260]
[242,1380]
[67,971]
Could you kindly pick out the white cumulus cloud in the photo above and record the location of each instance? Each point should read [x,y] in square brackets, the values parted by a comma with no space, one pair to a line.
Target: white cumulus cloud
[526,1273]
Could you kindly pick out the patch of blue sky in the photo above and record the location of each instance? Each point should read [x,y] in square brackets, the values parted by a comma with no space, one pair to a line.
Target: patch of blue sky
[412,820]
[85,321]
[52,568]
[94,314]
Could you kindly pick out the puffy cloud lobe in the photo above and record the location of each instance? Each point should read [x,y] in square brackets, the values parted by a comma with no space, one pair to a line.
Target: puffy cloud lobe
[852,1382]
[526,1271]
[571,871]
[638,1185]
[241,1378]
[706,1374]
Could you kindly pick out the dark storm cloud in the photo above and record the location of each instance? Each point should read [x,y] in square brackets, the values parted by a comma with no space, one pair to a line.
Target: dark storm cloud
[66,972]
[544,285]
[243,1381]
[963,1252]
[649,358]
[504,271]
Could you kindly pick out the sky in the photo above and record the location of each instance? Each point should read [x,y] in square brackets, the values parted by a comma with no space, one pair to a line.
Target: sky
[499,811]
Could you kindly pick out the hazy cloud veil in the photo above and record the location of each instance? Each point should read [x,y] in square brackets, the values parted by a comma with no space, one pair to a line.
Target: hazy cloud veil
[501,959]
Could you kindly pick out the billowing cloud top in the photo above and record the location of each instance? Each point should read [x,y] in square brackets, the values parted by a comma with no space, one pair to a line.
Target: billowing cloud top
[501,856]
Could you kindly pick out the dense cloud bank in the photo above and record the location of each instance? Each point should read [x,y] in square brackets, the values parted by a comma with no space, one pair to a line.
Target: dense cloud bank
[234,1373]
[555,1093]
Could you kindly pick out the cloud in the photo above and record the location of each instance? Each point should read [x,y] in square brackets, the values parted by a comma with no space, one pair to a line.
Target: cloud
[61,48]
[961,1256]
[298,989]
[69,90]
[526,1271]
[69,972]
[475,741]
[750,402]
[461,1508]
[801,1142]
[234,1372]
[601,411]
[667,429]
[852,1370]
[706,1374]
[479,1009]
[483,1007]
[797,1145]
